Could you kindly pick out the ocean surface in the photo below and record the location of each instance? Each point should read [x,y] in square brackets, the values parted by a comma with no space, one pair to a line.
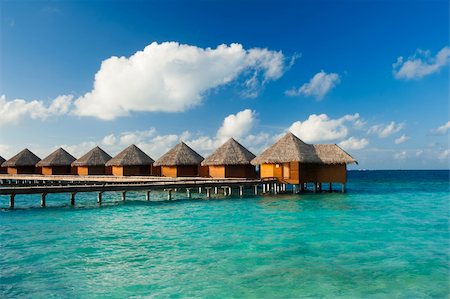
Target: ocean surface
[387,237]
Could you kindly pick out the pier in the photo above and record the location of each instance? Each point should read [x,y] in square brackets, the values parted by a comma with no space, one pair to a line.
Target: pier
[12,185]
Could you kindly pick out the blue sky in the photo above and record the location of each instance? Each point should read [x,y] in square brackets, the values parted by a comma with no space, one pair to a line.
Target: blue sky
[329,71]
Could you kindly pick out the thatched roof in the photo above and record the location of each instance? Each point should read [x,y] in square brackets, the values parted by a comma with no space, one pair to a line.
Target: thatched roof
[95,157]
[131,156]
[333,154]
[229,153]
[290,148]
[58,158]
[181,154]
[24,158]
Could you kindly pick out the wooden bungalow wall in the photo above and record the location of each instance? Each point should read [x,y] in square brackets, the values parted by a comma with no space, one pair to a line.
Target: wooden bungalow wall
[93,170]
[232,171]
[180,171]
[132,170]
[295,173]
[23,170]
[56,170]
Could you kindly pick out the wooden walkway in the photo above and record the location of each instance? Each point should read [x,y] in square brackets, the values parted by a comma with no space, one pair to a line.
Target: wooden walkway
[11,185]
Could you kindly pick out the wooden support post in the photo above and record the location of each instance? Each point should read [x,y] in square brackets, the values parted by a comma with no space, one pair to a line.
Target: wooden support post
[294,189]
[256,189]
[208,192]
[343,188]
[331,187]
[225,189]
[230,191]
[241,191]
[263,188]
[216,190]
[284,187]
[275,187]
[315,187]
[188,192]
[199,189]
[99,197]
[169,194]
[72,198]
[319,185]
[147,195]
[11,201]
[43,195]
[124,196]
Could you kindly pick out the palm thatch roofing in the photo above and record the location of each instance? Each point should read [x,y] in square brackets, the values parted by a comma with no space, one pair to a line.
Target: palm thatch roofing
[131,156]
[95,157]
[333,154]
[58,158]
[181,154]
[24,158]
[229,153]
[291,149]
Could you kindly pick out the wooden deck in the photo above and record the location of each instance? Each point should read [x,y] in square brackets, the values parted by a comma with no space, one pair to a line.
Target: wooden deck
[13,185]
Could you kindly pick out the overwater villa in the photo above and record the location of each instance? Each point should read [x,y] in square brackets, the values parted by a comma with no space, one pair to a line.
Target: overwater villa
[293,161]
[131,161]
[181,161]
[230,160]
[57,163]
[92,163]
[2,169]
[22,163]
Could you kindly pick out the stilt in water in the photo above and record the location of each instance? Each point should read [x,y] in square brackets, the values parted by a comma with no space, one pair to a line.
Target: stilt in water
[124,196]
[199,189]
[43,196]
[256,189]
[72,198]
[11,201]
[99,197]
[216,190]
[315,187]
[331,187]
[241,191]
[343,188]
[208,192]
[147,196]
[230,191]
[188,192]
[169,194]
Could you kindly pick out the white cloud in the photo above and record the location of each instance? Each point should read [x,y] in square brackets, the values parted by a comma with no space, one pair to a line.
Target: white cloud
[173,77]
[136,136]
[13,111]
[109,140]
[236,125]
[319,128]
[421,64]
[4,150]
[384,131]
[444,155]
[401,139]
[354,143]
[442,130]
[78,150]
[400,156]
[317,87]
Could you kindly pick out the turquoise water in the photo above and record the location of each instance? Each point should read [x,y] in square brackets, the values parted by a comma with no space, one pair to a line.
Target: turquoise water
[388,237]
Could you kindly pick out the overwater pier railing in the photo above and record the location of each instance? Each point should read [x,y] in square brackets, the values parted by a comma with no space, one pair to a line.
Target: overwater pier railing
[12,185]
